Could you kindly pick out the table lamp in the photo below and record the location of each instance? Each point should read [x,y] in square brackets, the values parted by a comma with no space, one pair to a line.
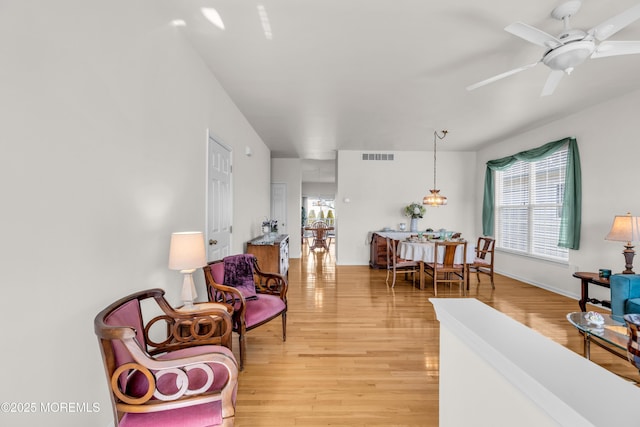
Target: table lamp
[187,253]
[625,228]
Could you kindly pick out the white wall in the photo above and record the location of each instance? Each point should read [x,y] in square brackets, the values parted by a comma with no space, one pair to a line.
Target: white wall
[320,190]
[379,190]
[607,138]
[289,172]
[104,109]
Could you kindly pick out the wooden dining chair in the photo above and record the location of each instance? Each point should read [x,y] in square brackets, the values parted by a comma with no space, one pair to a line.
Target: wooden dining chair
[483,262]
[320,231]
[395,264]
[448,271]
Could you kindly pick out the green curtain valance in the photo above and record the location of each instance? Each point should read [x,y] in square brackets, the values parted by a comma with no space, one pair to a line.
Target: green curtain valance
[572,198]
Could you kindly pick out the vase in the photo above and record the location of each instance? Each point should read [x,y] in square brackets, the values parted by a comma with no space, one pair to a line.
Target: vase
[414,225]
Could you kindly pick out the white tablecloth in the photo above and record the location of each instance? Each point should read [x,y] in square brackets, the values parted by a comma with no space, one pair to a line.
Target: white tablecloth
[418,251]
[398,235]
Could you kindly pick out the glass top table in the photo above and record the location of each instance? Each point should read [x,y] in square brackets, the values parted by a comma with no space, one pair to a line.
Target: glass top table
[611,335]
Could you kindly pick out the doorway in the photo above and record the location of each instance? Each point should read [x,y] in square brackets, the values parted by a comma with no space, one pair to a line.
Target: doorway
[319,210]
[218,210]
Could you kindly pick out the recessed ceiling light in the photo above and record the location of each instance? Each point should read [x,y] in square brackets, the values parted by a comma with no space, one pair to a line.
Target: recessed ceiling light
[213,16]
[178,23]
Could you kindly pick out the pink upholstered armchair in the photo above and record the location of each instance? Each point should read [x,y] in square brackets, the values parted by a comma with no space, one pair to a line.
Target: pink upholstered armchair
[183,376]
[257,297]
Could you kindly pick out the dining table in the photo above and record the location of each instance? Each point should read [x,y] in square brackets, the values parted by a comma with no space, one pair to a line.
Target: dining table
[423,252]
[320,237]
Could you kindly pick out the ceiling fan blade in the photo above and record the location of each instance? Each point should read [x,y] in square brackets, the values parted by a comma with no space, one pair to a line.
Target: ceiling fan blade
[533,35]
[501,76]
[552,82]
[612,25]
[615,48]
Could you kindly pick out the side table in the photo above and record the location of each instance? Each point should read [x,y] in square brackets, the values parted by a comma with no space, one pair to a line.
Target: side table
[594,278]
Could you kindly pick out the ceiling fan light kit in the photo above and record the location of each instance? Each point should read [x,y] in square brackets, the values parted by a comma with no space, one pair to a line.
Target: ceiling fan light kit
[568,56]
[573,46]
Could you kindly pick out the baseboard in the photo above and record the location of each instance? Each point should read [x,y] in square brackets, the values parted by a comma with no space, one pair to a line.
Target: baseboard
[544,286]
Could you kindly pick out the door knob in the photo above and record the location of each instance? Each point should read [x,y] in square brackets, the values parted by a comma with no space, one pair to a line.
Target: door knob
[213,242]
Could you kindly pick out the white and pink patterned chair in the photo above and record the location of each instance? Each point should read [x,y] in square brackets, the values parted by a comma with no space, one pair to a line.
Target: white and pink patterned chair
[185,376]
[257,297]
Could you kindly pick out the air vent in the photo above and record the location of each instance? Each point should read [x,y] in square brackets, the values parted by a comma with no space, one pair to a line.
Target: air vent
[377,156]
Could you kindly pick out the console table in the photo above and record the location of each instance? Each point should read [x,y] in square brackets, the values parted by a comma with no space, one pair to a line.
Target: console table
[586,278]
[272,253]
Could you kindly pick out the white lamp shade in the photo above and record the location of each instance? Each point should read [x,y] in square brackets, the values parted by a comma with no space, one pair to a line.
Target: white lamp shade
[625,228]
[187,251]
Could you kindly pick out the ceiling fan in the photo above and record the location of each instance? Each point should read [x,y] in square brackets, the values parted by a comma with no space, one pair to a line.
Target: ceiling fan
[572,46]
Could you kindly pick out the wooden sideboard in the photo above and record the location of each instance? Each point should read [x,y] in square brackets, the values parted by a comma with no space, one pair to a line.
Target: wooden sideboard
[378,251]
[272,253]
[378,246]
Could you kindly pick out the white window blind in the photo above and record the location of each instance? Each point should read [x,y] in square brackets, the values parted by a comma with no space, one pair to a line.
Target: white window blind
[529,205]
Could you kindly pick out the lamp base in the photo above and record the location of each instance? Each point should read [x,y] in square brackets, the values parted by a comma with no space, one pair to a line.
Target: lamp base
[628,253]
[188,288]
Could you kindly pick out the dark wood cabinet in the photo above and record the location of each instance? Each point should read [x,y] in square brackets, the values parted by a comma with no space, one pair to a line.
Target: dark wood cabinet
[378,246]
[378,251]
[272,253]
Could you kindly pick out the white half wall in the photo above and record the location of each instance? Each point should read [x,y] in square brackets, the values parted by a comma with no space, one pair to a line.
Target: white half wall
[497,372]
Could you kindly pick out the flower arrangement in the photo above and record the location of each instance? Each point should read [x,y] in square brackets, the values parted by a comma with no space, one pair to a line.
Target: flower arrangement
[271,225]
[414,210]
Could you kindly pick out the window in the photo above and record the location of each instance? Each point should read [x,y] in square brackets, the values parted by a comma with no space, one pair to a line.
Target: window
[529,206]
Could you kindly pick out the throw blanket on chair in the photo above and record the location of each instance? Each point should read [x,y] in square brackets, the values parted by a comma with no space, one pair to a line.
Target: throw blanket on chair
[238,273]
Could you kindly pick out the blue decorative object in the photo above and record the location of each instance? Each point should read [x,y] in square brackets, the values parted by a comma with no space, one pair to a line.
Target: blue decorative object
[604,273]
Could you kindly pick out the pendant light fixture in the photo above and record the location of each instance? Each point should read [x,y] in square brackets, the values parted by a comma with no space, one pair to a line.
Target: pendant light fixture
[435,198]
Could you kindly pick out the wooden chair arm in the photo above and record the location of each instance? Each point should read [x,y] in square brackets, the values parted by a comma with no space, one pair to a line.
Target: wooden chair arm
[210,326]
[228,295]
[270,283]
[231,293]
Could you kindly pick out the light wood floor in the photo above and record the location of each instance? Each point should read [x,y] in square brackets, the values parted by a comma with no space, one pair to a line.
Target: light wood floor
[361,354]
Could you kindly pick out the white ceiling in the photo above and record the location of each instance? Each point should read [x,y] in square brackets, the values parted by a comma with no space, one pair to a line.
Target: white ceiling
[384,74]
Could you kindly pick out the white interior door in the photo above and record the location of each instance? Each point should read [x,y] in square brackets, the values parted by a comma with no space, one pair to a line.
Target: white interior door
[219,201]
[279,206]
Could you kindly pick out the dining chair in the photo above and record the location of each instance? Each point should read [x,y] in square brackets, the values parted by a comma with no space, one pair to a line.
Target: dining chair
[483,262]
[448,271]
[320,231]
[396,264]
